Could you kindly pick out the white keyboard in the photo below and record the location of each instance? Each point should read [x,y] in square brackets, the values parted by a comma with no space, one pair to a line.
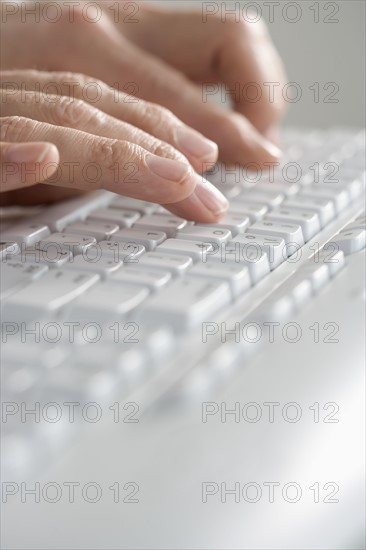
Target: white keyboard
[107,296]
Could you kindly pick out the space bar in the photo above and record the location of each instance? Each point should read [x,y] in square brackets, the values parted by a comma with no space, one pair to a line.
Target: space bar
[60,215]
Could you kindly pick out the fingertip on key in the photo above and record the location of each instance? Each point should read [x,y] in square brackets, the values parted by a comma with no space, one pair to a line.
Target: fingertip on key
[211,197]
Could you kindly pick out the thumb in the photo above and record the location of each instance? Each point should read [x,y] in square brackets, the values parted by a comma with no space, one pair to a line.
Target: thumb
[25,164]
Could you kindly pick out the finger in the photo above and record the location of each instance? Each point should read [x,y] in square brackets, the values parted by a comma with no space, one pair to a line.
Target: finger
[190,208]
[90,162]
[151,119]
[21,162]
[74,113]
[238,140]
[204,193]
[250,67]
[235,51]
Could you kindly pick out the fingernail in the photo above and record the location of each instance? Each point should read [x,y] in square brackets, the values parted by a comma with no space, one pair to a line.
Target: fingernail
[27,152]
[168,169]
[273,134]
[211,197]
[193,143]
[272,149]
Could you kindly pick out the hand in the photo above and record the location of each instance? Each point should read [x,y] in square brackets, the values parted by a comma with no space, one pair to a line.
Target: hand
[162,57]
[208,47]
[69,142]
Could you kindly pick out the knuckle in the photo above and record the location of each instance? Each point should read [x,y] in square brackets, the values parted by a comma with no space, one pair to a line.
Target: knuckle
[163,149]
[235,23]
[149,112]
[156,117]
[111,152]
[16,128]
[164,114]
[71,112]
[237,26]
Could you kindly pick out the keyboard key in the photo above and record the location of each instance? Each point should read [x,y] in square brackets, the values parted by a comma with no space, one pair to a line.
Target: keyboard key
[271,199]
[300,291]
[255,212]
[350,241]
[195,249]
[288,189]
[308,221]
[127,203]
[94,354]
[123,218]
[16,275]
[149,239]
[204,234]
[159,343]
[317,274]
[241,254]
[8,249]
[76,244]
[187,302]
[324,208]
[154,279]
[118,251]
[237,276]
[133,364]
[277,308]
[235,223]
[274,247]
[291,233]
[161,211]
[27,233]
[51,257]
[354,186]
[48,294]
[223,176]
[109,301]
[58,216]
[230,190]
[97,380]
[160,222]
[105,267]
[177,265]
[339,197]
[334,259]
[100,231]
[31,354]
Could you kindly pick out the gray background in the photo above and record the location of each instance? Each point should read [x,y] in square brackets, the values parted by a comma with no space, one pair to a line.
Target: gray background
[318,52]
